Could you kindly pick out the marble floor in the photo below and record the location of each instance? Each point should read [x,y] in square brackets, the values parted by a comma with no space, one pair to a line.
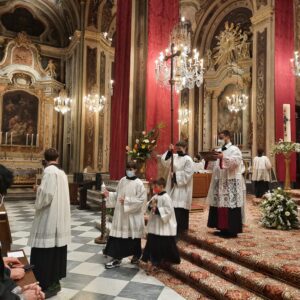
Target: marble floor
[87,278]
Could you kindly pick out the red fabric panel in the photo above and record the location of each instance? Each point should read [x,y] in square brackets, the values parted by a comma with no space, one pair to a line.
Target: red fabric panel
[284,78]
[120,99]
[223,218]
[162,17]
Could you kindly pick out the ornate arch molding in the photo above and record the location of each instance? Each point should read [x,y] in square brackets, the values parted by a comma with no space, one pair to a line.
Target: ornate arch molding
[210,20]
[44,12]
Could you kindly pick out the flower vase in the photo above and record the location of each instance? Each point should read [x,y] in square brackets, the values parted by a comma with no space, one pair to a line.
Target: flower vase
[142,169]
[287,180]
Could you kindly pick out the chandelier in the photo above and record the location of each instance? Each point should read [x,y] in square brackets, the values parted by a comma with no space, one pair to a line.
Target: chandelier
[296,63]
[237,101]
[94,102]
[184,114]
[188,69]
[62,103]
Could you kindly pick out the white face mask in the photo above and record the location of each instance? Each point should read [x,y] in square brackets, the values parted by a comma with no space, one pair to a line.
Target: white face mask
[130,173]
[220,141]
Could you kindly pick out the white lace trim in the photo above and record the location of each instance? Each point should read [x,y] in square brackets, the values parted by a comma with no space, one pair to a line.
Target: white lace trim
[227,193]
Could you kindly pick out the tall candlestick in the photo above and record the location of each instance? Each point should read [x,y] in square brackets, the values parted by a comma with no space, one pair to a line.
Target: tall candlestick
[234,138]
[287,122]
[11,138]
[27,138]
[6,137]
[37,140]
[31,140]
[240,139]
[1,138]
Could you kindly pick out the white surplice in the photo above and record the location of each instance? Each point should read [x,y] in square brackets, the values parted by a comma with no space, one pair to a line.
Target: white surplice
[52,222]
[261,170]
[128,219]
[182,192]
[227,182]
[164,223]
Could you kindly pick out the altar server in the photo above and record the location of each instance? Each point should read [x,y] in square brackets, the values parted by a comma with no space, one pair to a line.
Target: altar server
[261,173]
[128,222]
[161,228]
[226,192]
[180,183]
[51,229]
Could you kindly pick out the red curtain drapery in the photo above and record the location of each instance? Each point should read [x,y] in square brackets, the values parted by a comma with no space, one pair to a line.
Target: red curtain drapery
[120,99]
[162,17]
[284,78]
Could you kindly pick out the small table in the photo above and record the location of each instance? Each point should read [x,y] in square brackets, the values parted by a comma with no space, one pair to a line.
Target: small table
[201,183]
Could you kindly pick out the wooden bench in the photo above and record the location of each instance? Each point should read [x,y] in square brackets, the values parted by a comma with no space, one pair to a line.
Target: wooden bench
[29,275]
[5,234]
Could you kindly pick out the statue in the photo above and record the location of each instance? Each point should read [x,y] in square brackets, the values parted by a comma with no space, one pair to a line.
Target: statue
[50,69]
[244,47]
[209,60]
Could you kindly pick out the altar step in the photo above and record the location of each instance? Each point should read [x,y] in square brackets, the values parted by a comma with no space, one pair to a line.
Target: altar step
[206,281]
[295,194]
[224,277]
[20,193]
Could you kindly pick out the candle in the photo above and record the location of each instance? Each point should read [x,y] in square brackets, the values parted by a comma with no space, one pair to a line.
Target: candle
[6,137]
[234,138]
[240,140]
[11,138]
[37,140]
[31,140]
[1,138]
[27,137]
[287,122]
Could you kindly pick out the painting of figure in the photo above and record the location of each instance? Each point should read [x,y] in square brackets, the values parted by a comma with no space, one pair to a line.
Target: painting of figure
[19,117]
[228,120]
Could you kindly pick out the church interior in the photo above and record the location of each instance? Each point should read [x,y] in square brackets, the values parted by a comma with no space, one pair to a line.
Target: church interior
[105,82]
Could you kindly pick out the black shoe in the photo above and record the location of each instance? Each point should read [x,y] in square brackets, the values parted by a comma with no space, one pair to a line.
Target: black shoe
[116,263]
[52,290]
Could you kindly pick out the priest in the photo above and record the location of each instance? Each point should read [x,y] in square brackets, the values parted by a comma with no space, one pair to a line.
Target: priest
[128,221]
[226,195]
[180,183]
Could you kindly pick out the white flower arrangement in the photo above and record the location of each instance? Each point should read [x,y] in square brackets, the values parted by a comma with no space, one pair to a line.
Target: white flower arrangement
[285,147]
[279,211]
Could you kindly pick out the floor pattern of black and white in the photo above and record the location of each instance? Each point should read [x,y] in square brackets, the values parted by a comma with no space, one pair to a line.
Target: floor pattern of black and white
[87,279]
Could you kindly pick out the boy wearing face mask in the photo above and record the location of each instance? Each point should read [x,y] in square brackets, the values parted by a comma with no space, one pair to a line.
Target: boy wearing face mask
[180,183]
[128,220]
[161,228]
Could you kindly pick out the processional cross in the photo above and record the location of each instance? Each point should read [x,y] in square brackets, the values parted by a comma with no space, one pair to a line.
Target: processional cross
[172,83]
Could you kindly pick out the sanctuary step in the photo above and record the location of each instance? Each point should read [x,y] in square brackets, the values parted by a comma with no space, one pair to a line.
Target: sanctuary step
[238,274]
[259,264]
[295,194]
[20,193]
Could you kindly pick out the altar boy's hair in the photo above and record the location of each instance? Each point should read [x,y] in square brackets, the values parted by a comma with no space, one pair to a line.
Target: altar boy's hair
[51,154]
[131,165]
[160,181]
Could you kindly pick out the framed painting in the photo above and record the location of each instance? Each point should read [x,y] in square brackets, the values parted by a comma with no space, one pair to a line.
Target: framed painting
[19,119]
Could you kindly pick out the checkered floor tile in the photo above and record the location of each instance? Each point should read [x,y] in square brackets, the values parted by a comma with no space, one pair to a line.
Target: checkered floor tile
[87,278]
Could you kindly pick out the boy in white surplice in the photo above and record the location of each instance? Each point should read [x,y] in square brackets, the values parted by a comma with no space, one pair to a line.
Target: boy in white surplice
[162,227]
[128,221]
[181,191]
[226,192]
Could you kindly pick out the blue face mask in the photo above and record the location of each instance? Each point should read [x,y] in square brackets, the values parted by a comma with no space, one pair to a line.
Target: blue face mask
[130,173]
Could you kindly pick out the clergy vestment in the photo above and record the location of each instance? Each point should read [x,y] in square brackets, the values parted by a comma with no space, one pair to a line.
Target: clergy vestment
[128,221]
[51,229]
[162,229]
[261,175]
[182,191]
[226,192]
